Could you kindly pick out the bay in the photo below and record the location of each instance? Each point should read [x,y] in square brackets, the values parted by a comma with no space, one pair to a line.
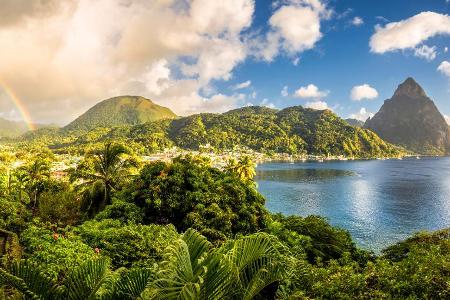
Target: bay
[379,202]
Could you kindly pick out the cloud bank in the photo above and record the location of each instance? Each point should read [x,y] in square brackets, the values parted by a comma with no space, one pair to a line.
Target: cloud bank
[68,55]
[409,33]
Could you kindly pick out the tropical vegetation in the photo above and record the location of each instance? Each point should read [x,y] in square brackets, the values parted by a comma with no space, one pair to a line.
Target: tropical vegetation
[118,228]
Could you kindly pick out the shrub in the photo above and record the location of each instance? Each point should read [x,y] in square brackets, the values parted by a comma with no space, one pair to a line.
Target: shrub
[128,244]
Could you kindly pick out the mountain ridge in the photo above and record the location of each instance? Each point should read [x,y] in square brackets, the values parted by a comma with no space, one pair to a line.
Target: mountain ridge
[294,130]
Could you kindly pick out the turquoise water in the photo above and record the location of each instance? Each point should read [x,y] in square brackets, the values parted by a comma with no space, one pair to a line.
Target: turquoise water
[379,202]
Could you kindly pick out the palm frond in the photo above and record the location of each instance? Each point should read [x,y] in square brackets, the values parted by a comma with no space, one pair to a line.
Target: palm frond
[84,282]
[257,259]
[183,269]
[30,281]
[131,284]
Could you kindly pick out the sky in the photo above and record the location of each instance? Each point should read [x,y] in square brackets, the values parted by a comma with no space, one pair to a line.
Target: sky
[59,58]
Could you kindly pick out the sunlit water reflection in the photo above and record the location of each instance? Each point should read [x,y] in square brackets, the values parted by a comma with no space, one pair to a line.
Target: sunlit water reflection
[379,201]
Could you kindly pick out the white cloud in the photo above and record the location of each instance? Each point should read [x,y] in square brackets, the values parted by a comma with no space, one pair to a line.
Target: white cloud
[294,28]
[320,105]
[284,91]
[409,33]
[310,91]
[362,115]
[295,61]
[242,85]
[357,21]
[428,53]
[67,55]
[363,91]
[444,68]
[445,49]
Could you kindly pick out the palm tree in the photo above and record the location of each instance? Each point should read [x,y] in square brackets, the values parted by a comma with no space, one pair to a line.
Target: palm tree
[192,269]
[84,282]
[108,166]
[38,173]
[239,269]
[244,168]
[6,165]
[19,181]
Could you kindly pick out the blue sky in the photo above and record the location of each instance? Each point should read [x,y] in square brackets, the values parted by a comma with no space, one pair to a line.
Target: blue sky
[59,58]
[342,59]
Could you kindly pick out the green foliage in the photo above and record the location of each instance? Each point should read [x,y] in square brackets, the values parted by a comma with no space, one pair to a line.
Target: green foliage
[60,205]
[244,168]
[128,244]
[188,194]
[239,269]
[314,235]
[83,282]
[421,273]
[13,214]
[58,250]
[106,168]
[123,211]
[401,250]
[232,247]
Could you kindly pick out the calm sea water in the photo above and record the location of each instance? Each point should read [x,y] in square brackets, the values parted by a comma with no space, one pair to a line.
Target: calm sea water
[379,202]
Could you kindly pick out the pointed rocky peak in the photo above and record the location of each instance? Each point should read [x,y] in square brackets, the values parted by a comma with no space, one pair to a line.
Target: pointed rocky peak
[410,88]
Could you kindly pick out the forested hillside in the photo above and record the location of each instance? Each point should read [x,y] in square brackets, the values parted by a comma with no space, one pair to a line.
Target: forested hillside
[293,130]
[117,111]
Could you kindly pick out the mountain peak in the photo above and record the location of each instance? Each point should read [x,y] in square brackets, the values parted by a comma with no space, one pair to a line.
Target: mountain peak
[122,110]
[412,120]
[410,88]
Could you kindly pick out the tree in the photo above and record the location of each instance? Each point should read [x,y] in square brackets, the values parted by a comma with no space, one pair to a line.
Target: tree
[83,282]
[239,269]
[38,173]
[6,166]
[188,194]
[109,166]
[244,168]
[19,183]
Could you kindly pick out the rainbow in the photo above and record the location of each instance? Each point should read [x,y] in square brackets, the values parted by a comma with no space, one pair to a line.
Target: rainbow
[19,105]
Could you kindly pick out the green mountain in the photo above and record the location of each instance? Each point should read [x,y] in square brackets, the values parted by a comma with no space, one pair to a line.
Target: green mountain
[118,111]
[294,130]
[411,119]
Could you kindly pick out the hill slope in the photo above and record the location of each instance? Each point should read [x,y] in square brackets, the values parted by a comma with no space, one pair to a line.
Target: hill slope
[412,120]
[117,111]
[294,130]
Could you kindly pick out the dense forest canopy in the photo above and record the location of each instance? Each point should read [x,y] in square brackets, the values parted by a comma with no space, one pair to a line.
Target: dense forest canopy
[294,130]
